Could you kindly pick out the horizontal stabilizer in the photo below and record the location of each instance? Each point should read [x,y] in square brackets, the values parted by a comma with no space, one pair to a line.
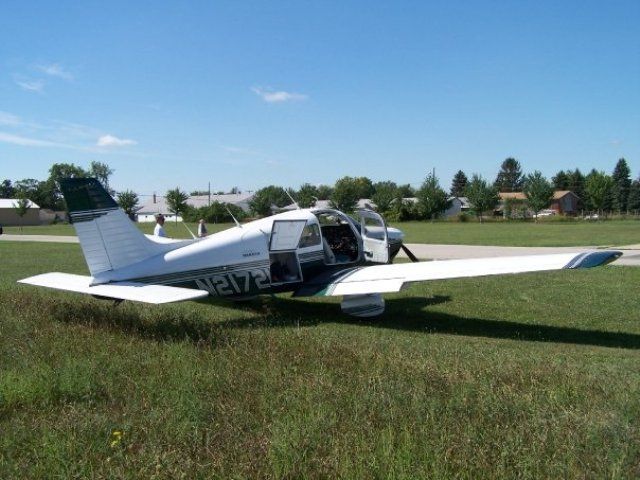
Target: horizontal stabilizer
[391,278]
[137,292]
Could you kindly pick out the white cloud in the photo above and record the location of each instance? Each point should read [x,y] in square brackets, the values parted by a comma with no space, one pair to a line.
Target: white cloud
[9,119]
[112,141]
[28,142]
[238,150]
[30,85]
[271,96]
[55,70]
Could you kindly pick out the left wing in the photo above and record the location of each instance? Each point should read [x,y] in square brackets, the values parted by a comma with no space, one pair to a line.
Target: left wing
[139,292]
[391,278]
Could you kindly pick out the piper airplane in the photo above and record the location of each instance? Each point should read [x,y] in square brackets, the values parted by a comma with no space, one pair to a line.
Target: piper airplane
[310,252]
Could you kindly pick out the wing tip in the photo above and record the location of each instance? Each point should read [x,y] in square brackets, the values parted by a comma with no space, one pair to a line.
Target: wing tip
[593,259]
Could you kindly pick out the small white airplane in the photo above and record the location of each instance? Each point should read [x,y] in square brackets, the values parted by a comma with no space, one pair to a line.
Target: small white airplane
[310,252]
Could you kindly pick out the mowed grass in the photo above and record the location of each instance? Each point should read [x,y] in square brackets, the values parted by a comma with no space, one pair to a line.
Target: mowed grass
[529,376]
[517,234]
[525,234]
[172,229]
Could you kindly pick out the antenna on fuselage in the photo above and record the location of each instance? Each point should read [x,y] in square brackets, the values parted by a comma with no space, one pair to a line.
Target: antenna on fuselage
[292,199]
[234,218]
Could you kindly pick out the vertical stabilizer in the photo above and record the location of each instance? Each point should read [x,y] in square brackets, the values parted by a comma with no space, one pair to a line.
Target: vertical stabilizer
[109,239]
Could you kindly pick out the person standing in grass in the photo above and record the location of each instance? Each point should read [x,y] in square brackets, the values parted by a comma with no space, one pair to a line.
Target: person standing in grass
[158,231]
[202,229]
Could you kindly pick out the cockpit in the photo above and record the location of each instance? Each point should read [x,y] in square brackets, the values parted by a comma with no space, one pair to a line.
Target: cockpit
[340,242]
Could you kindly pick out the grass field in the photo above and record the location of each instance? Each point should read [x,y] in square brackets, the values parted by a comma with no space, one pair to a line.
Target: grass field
[172,230]
[529,376]
[524,234]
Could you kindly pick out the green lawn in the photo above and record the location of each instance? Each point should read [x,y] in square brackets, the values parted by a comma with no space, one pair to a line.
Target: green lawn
[172,230]
[529,376]
[524,234]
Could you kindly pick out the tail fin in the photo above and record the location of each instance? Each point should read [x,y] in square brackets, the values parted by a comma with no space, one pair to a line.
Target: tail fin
[109,239]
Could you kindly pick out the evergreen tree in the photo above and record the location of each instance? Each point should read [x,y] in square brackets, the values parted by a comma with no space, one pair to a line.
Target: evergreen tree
[576,185]
[509,177]
[432,199]
[539,192]
[458,184]
[482,196]
[633,203]
[622,184]
[560,181]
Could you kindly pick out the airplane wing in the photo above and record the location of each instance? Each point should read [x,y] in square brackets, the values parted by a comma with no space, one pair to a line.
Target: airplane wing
[139,292]
[391,278]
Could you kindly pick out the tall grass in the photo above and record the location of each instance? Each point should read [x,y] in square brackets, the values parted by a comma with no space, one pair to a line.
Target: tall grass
[531,376]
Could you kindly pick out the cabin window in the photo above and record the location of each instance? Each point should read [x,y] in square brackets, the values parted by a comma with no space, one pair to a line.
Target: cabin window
[310,236]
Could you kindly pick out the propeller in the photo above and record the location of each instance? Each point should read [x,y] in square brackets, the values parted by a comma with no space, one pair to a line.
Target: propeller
[409,253]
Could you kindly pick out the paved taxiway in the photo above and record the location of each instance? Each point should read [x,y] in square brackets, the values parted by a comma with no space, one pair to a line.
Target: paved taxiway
[424,251]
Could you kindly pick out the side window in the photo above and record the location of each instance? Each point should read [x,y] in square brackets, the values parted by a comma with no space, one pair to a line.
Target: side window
[310,236]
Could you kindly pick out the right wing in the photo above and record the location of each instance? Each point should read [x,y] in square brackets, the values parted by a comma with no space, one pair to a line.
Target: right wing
[391,278]
[139,292]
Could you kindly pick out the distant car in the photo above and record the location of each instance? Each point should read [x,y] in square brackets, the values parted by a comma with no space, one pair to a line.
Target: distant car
[593,216]
[546,213]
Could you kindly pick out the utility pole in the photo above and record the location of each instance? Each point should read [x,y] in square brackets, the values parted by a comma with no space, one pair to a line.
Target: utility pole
[209,193]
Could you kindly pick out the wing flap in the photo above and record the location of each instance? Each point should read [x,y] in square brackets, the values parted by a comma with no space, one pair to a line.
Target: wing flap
[390,278]
[138,292]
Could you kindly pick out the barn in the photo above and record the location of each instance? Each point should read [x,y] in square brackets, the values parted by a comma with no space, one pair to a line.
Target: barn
[8,215]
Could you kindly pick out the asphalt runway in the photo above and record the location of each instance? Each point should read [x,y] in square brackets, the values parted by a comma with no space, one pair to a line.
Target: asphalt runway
[631,256]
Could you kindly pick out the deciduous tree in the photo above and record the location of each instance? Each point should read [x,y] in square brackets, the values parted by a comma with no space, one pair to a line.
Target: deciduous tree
[597,187]
[21,206]
[128,201]
[482,196]
[432,199]
[266,197]
[306,196]
[346,194]
[539,192]
[176,201]
[385,194]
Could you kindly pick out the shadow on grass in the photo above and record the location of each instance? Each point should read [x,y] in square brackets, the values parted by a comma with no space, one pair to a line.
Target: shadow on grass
[408,314]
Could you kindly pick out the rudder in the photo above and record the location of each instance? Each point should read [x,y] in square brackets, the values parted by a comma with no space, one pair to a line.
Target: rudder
[109,239]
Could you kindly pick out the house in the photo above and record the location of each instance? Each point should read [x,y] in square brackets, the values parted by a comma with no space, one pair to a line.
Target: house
[564,202]
[8,215]
[457,205]
[157,204]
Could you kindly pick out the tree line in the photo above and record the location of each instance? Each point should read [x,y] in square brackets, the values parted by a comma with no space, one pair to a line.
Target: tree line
[597,192]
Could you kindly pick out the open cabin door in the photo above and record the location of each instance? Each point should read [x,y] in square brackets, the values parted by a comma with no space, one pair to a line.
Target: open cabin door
[375,240]
[283,256]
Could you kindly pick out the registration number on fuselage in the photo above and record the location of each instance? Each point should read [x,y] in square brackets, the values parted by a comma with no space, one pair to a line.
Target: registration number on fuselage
[245,282]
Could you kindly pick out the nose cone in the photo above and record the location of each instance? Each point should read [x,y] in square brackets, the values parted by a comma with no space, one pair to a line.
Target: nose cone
[395,234]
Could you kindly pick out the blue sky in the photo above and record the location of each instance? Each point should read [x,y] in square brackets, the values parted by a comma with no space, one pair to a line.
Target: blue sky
[248,93]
